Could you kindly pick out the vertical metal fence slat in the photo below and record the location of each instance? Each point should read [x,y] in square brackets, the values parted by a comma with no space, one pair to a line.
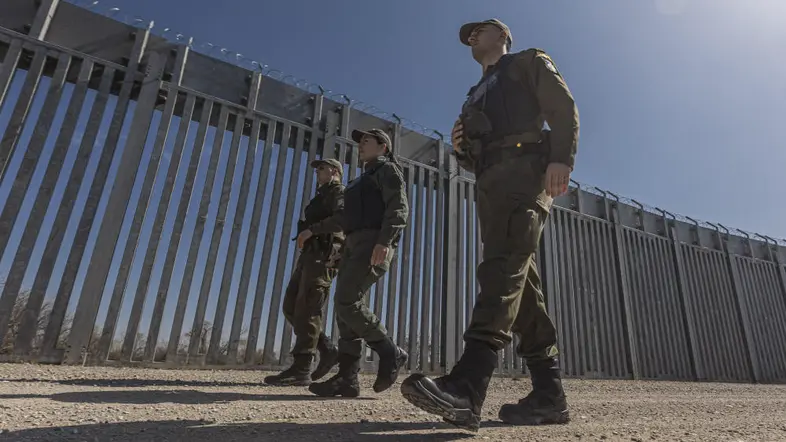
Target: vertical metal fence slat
[597,295]
[623,283]
[605,313]
[641,315]
[168,264]
[405,284]
[713,294]
[706,290]
[693,290]
[16,122]
[13,281]
[414,292]
[684,304]
[469,270]
[667,346]
[48,351]
[450,305]
[706,314]
[159,217]
[461,253]
[196,238]
[132,243]
[676,333]
[392,289]
[471,252]
[751,285]
[439,247]
[654,299]
[9,69]
[561,283]
[229,265]
[212,254]
[551,290]
[425,309]
[594,294]
[743,352]
[577,292]
[743,316]
[731,315]
[264,270]
[253,234]
[109,230]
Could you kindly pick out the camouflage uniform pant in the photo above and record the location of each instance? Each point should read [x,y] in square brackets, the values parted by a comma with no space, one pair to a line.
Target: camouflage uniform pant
[512,210]
[356,275]
[304,299]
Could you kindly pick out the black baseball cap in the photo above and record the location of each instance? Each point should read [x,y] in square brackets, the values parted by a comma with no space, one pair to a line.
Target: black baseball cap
[381,136]
[466,29]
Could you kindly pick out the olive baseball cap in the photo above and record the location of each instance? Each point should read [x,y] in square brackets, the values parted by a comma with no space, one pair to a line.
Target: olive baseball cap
[379,134]
[466,29]
[330,162]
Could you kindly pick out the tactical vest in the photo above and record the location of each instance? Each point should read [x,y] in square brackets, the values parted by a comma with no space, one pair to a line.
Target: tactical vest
[364,207]
[505,100]
[318,208]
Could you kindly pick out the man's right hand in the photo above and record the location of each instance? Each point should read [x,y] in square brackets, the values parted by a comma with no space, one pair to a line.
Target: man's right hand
[303,237]
[455,136]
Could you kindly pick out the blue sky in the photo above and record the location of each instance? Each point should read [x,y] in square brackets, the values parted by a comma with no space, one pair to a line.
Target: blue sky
[680,101]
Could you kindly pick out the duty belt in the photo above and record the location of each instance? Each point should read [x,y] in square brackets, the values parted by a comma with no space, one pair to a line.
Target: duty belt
[509,147]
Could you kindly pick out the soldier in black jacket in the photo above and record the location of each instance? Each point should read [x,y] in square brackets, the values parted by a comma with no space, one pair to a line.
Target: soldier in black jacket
[309,286]
[373,219]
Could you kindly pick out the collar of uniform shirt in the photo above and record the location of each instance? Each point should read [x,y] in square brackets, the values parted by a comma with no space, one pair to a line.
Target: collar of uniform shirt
[374,162]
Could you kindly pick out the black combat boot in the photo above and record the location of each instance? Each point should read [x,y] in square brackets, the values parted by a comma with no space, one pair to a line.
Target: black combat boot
[391,359]
[546,403]
[296,375]
[328,357]
[345,383]
[458,396]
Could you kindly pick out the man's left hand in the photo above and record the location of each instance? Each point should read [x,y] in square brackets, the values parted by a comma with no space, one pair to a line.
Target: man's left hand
[557,179]
[379,254]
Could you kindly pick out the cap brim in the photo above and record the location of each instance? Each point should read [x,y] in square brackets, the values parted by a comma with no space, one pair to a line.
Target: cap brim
[317,163]
[466,31]
[357,135]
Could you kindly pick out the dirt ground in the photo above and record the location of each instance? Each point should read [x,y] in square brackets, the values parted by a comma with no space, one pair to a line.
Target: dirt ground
[51,403]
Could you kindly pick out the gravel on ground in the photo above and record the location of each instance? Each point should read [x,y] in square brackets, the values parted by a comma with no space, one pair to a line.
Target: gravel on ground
[60,403]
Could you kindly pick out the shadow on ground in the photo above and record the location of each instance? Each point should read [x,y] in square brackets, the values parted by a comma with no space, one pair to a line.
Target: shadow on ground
[130,383]
[192,397]
[164,431]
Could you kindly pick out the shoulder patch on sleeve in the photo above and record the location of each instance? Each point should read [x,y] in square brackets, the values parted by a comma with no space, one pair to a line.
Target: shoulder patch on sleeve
[547,61]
